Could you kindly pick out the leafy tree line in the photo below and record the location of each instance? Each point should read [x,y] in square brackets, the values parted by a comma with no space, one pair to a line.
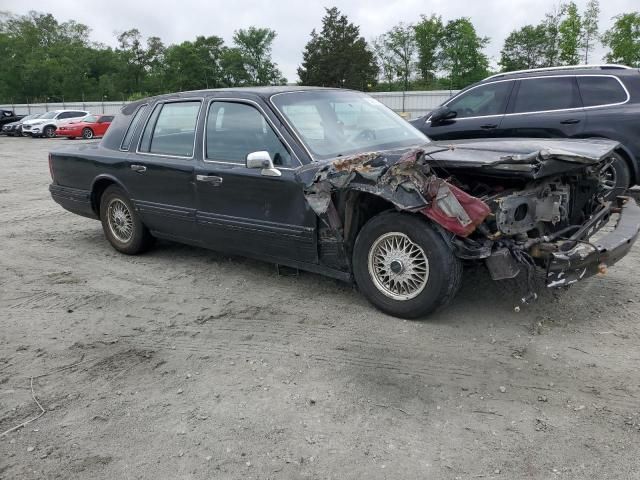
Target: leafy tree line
[43,59]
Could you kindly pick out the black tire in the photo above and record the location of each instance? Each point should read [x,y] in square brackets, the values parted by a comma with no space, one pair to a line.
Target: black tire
[616,178]
[49,131]
[444,269]
[139,239]
[87,133]
[71,138]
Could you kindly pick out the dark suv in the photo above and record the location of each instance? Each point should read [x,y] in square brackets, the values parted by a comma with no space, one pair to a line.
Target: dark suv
[569,102]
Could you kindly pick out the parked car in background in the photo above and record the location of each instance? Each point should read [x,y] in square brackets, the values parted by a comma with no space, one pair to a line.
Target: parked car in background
[46,125]
[333,182]
[8,116]
[87,127]
[565,102]
[14,129]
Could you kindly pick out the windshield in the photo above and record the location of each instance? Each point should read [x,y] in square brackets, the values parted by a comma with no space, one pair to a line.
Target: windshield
[49,115]
[31,117]
[332,123]
[89,119]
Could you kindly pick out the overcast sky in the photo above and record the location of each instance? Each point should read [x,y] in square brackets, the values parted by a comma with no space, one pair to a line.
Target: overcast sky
[181,20]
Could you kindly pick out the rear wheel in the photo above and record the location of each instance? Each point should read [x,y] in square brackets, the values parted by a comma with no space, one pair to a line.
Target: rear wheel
[121,224]
[615,177]
[403,266]
[87,133]
[49,131]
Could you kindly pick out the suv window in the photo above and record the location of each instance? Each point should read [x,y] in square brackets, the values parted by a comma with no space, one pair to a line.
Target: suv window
[489,99]
[234,130]
[600,91]
[543,94]
[126,141]
[64,115]
[171,129]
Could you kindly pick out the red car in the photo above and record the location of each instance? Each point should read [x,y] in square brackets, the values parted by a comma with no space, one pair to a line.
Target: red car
[88,127]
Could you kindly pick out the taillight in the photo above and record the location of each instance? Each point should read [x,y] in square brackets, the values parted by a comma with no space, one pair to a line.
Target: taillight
[51,166]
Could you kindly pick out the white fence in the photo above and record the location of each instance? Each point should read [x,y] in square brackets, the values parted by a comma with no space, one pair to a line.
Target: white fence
[414,104]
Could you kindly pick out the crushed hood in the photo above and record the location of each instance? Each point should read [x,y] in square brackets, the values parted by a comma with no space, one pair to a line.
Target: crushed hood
[406,178]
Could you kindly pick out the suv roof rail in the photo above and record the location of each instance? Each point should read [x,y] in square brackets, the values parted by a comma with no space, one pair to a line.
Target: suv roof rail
[612,66]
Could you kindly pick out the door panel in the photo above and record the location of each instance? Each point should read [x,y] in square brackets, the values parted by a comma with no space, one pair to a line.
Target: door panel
[480,127]
[239,209]
[248,213]
[548,107]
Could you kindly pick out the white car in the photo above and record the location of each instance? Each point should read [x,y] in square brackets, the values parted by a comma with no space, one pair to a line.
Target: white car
[45,125]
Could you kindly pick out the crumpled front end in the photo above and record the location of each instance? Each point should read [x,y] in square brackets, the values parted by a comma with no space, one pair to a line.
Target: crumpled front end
[535,207]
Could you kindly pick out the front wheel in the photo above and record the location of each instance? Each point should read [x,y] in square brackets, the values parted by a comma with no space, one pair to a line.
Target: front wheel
[403,265]
[49,131]
[121,224]
[615,177]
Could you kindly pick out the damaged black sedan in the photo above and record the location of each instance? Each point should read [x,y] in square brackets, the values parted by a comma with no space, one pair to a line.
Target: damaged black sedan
[331,181]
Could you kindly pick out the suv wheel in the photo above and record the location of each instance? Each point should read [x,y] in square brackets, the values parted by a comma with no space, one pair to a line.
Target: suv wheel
[49,131]
[403,266]
[615,177]
[121,224]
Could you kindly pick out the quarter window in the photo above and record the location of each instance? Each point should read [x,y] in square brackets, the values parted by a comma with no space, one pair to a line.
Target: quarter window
[171,130]
[543,94]
[235,130]
[126,141]
[489,99]
[600,91]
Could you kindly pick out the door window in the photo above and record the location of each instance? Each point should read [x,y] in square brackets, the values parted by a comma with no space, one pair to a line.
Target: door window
[601,91]
[235,130]
[544,94]
[171,129]
[489,99]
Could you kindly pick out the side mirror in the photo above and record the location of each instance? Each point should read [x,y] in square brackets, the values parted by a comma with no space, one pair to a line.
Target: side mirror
[442,113]
[263,160]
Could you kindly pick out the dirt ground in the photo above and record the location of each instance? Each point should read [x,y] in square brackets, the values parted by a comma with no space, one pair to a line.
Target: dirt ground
[187,364]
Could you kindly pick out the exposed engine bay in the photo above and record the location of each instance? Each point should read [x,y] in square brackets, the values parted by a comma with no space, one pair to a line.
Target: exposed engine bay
[517,204]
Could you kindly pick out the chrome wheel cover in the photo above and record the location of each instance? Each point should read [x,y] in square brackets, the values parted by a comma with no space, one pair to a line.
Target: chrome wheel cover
[398,267]
[120,220]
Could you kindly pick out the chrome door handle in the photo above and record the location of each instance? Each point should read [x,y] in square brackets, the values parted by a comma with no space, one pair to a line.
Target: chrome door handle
[139,168]
[209,179]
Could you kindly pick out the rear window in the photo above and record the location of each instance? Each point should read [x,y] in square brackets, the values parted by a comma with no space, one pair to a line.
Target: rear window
[126,142]
[544,94]
[601,91]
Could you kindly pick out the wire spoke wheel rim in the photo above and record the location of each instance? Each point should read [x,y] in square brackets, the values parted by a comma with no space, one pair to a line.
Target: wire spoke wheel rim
[120,220]
[398,267]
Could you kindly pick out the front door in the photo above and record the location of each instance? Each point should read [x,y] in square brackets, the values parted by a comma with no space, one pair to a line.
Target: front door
[240,210]
[479,113]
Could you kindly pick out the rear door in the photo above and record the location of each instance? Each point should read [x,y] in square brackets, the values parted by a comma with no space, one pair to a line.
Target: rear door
[159,170]
[545,107]
[479,113]
[239,209]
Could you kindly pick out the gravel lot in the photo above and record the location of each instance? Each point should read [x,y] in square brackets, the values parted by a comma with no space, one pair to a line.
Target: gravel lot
[184,363]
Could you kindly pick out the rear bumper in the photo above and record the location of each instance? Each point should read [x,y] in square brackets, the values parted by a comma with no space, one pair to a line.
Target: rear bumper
[75,200]
[589,258]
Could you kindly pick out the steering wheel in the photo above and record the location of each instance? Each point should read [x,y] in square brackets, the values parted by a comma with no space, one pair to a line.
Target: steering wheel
[366,134]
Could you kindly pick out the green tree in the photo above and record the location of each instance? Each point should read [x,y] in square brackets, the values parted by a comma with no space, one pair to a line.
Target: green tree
[524,48]
[589,28]
[428,34]
[234,73]
[255,46]
[462,55]
[139,60]
[338,56]
[194,65]
[623,40]
[401,42]
[552,27]
[385,60]
[569,31]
